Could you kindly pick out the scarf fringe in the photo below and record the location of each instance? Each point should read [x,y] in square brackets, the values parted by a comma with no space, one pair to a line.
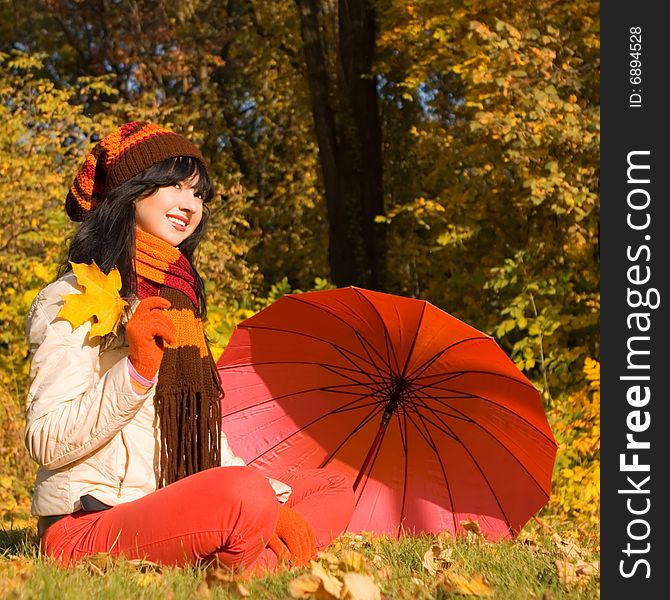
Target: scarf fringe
[198,438]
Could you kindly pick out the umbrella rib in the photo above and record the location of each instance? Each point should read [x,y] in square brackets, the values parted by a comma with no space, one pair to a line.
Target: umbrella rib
[342,351]
[509,452]
[371,415]
[366,475]
[479,468]
[292,362]
[460,373]
[446,430]
[300,429]
[386,331]
[341,390]
[388,346]
[404,438]
[431,443]
[298,393]
[476,423]
[382,386]
[449,376]
[335,370]
[450,415]
[365,345]
[422,367]
[414,338]
[350,408]
[336,316]
[483,399]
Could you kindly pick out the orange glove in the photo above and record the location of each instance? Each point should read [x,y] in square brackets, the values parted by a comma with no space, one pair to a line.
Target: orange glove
[146,330]
[293,539]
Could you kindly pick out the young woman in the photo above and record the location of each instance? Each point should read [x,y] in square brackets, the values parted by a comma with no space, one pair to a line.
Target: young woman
[126,427]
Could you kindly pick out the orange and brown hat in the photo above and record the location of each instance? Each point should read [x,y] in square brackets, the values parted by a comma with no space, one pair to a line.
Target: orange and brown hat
[120,156]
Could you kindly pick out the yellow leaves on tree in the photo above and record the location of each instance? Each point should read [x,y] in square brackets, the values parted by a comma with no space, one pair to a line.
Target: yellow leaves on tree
[576,423]
[99,302]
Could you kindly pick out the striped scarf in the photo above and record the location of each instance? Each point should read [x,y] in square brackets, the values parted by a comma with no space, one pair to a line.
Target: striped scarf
[188,392]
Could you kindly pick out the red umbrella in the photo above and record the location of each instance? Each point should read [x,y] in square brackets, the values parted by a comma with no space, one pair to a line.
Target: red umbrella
[428,416]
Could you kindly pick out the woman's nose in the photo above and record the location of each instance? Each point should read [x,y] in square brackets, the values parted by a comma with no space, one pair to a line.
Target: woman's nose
[188,201]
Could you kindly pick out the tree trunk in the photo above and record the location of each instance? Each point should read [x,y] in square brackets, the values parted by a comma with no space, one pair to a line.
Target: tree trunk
[348,131]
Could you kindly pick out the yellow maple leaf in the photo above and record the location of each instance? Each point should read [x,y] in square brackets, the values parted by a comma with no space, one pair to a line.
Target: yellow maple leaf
[99,301]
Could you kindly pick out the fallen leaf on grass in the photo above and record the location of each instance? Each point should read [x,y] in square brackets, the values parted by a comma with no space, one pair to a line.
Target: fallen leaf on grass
[8,585]
[224,579]
[378,561]
[437,559]
[99,301]
[148,578]
[304,586]
[567,548]
[473,529]
[527,537]
[470,525]
[99,563]
[588,568]
[13,573]
[331,584]
[529,543]
[458,584]
[543,524]
[351,540]
[350,560]
[19,565]
[370,536]
[445,537]
[143,565]
[359,587]
[329,557]
[321,584]
[578,573]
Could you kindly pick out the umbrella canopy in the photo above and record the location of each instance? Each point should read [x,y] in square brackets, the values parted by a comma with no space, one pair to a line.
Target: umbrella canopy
[429,418]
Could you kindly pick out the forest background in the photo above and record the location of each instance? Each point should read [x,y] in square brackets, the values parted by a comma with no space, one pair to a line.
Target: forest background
[440,150]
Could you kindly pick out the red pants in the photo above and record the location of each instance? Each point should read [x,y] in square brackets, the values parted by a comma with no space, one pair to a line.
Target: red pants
[225,514]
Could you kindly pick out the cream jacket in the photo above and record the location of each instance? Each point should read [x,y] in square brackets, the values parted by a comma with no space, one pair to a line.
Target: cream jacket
[86,427]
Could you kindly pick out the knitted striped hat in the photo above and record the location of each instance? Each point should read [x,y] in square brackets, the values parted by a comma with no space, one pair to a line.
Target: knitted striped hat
[120,156]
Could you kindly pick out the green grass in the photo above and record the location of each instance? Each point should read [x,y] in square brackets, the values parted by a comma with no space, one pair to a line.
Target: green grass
[522,569]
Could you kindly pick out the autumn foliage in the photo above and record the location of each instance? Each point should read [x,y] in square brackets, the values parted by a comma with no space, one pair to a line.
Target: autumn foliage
[480,166]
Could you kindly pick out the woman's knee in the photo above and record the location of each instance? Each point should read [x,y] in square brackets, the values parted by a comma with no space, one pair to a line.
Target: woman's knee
[248,510]
[245,484]
[343,486]
[339,481]
[245,491]
[340,485]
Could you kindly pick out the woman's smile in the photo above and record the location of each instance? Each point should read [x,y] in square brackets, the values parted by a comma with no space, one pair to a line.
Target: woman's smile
[179,222]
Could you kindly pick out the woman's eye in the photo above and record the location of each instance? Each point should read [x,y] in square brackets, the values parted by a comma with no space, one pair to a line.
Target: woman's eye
[177,185]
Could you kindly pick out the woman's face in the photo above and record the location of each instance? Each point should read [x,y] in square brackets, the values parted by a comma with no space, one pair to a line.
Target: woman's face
[170,213]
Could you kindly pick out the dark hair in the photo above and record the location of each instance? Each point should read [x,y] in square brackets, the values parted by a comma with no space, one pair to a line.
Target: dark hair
[107,234]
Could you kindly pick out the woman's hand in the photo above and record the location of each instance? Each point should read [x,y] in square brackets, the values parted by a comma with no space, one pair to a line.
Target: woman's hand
[293,539]
[147,330]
